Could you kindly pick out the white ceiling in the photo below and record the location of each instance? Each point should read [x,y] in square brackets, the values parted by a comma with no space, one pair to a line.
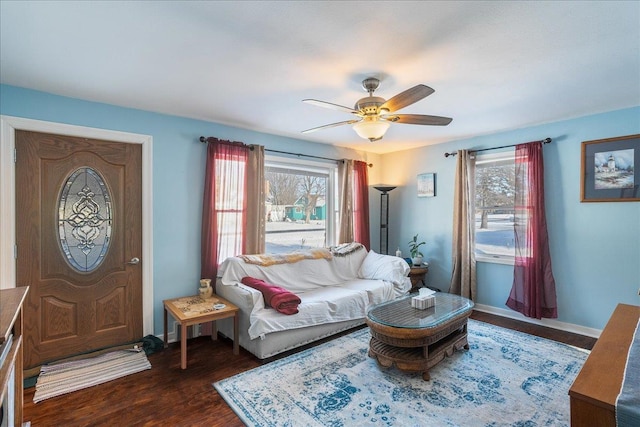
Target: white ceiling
[494,65]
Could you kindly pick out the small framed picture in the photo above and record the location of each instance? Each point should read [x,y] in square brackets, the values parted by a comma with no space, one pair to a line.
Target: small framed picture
[608,172]
[427,185]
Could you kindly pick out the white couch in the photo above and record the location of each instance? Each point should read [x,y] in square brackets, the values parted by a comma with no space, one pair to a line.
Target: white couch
[335,293]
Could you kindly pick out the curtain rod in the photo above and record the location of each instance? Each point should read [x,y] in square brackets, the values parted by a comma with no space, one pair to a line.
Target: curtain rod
[205,140]
[454,153]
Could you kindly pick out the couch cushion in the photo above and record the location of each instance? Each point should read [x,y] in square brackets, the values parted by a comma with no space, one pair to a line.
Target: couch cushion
[377,291]
[322,305]
[384,267]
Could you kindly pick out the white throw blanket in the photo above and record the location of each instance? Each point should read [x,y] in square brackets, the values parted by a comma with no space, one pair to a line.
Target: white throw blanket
[322,305]
[304,275]
[331,290]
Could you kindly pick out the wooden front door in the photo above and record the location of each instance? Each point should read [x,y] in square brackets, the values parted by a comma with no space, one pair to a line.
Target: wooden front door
[79,240]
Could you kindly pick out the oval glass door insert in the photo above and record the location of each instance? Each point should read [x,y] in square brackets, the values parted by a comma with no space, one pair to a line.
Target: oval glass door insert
[85,219]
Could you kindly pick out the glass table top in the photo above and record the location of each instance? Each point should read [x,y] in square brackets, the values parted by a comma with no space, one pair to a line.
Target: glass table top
[399,313]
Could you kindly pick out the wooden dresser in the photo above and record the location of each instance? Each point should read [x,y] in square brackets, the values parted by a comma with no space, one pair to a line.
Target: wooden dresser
[595,390]
[11,301]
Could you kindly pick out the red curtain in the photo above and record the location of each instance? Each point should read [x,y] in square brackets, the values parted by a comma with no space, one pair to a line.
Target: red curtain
[224,204]
[361,203]
[534,290]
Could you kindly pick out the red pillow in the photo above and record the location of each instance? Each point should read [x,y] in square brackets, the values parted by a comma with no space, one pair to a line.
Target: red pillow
[282,300]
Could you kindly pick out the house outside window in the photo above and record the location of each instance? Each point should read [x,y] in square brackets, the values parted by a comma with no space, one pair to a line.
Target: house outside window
[494,207]
[301,204]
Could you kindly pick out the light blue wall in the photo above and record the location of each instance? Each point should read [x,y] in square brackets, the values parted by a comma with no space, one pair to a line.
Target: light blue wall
[178,173]
[595,246]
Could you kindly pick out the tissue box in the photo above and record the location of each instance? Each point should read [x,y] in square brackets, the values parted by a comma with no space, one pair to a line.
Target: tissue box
[423,302]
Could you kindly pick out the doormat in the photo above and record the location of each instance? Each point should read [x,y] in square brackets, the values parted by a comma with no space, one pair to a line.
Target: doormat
[61,378]
[506,378]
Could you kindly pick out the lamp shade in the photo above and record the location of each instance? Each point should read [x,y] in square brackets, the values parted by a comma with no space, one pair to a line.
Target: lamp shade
[384,188]
[371,128]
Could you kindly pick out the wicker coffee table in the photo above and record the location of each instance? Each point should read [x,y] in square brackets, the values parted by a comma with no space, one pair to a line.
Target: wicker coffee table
[415,340]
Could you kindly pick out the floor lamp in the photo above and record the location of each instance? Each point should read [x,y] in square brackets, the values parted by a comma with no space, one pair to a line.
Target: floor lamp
[384,217]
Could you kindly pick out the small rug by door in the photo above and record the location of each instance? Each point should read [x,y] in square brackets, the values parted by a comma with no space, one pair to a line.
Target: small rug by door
[57,379]
[507,378]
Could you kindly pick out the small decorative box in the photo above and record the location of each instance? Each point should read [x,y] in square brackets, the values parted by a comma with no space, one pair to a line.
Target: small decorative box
[423,302]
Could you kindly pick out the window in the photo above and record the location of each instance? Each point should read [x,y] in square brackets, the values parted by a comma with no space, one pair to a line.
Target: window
[85,219]
[230,165]
[494,207]
[300,204]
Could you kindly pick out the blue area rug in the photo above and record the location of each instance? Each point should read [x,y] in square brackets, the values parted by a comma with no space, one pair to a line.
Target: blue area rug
[507,378]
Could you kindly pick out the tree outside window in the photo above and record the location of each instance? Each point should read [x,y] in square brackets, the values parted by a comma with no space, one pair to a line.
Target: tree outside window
[494,207]
[299,205]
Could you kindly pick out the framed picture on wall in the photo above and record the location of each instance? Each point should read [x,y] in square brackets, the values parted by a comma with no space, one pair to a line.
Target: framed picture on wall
[609,172]
[427,185]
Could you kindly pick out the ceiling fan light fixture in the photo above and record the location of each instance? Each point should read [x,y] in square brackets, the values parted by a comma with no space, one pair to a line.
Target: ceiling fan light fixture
[371,128]
[374,115]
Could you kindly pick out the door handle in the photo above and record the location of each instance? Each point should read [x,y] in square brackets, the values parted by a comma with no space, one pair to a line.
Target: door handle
[134,261]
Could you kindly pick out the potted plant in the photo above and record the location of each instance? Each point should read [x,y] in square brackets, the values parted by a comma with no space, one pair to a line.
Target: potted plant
[416,255]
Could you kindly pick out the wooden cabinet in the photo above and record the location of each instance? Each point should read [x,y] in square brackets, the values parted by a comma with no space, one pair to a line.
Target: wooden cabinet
[11,393]
[595,390]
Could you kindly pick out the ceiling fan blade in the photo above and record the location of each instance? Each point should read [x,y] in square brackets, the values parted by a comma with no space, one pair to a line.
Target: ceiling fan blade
[332,125]
[418,119]
[407,97]
[325,104]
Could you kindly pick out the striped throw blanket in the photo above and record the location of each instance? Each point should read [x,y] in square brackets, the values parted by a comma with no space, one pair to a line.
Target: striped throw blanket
[345,249]
[272,259]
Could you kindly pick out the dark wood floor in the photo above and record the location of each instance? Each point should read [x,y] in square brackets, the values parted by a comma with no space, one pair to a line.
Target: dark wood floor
[169,396]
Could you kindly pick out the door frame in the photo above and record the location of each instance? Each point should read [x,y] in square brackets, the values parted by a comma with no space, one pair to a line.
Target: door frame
[8,127]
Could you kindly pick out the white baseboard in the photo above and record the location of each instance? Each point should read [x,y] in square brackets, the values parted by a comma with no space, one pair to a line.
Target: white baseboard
[172,334]
[550,323]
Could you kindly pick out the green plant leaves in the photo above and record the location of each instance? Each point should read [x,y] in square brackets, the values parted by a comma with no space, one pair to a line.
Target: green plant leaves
[414,245]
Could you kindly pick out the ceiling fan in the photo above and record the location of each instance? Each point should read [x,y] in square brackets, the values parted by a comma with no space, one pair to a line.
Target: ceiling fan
[375,114]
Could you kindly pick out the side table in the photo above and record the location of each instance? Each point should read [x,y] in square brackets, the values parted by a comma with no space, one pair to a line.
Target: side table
[193,310]
[417,275]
